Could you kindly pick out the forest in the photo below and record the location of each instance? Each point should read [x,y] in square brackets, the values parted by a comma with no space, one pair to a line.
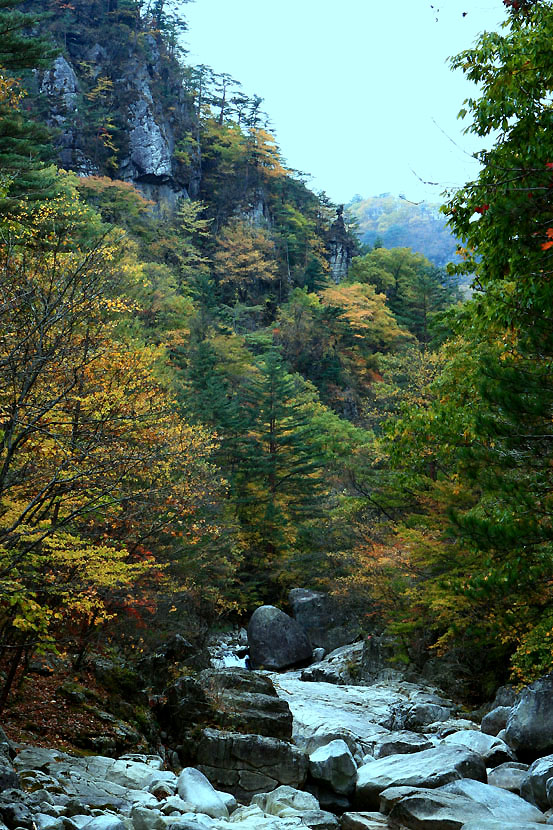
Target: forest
[212,392]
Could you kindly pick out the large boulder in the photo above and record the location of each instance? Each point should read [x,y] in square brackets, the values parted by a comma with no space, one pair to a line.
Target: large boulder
[429,769]
[508,776]
[276,640]
[248,764]
[529,729]
[402,743]
[533,786]
[341,667]
[456,804]
[321,617]
[195,788]
[493,750]
[334,765]
[496,720]
[246,701]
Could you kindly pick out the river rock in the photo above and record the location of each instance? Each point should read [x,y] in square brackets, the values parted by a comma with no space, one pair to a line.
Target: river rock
[195,788]
[364,821]
[492,750]
[323,735]
[508,776]
[333,764]
[342,666]
[249,764]
[529,729]
[430,768]
[286,801]
[423,714]
[276,640]
[321,617]
[247,700]
[450,809]
[501,824]
[402,743]
[534,784]
[496,720]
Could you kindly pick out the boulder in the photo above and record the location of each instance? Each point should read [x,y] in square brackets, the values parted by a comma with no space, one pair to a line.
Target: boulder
[342,666]
[529,729]
[321,617]
[453,806]
[285,802]
[333,764]
[402,743]
[430,768]
[195,788]
[501,824]
[247,701]
[249,764]
[364,821]
[508,776]
[323,735]
[423,714]
[533,786]
[276,640]
[496,720]
[492,750]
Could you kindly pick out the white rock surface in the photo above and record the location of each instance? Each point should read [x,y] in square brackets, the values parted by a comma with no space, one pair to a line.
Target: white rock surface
[334,764]
[195,788]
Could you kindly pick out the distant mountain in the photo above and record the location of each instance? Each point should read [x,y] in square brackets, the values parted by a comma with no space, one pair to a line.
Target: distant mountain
[397,223]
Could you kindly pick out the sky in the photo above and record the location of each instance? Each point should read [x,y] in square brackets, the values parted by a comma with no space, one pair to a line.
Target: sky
[359,92]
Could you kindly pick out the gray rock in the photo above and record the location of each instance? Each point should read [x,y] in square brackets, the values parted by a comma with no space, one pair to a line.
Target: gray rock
[333,764]
[445,810]
[45,822]
[505,696]
[248,764]
[364,821]
[144,818]
[492,750]
[533,786]
[321,617]
[285,802]
[430,768]
[105,822]
[9,779]
[342,666]
[508,776]
[402,743]
[502,804]
[529,729]
[194,787]
[323,735]
[423,714]
[320,820]
[318,654]
[276,640]
[496,720]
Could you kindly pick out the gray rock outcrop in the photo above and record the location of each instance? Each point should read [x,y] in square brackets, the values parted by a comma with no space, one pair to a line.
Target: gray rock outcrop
[321,617]
[529,729]
[334,765]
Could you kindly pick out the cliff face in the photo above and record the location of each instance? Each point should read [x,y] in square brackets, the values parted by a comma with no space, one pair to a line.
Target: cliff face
[119,108]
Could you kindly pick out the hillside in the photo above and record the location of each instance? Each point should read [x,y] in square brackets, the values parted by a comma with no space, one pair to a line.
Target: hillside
[396,223]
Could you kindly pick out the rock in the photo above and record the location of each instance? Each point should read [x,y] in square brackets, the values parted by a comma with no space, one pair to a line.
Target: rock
[377,659]
[529,729]
[248,764]
[183,706]
[342,666]
[156,667]
[285,801]
[492,750]
[323,735]
[320,820]
[495,824]
[195,788]
[502,803]
[276,640]
[533,786]
[402,743]
[9,779]
[248,702]
[440,808]
[144,818]
[105,822]
[364,821]
[430,768]
[333,764]
[423,714]
[508,776]
[496,720]
[505,696]
[318,654]
[321,617]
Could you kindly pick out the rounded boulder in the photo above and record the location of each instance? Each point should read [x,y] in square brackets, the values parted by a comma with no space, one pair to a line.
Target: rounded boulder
[276,641]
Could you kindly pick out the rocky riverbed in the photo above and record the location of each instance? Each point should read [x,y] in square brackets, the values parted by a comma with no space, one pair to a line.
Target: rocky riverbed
[345,742]
[392,754]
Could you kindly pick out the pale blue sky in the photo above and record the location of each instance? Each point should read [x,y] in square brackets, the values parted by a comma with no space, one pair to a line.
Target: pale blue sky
[358,91]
